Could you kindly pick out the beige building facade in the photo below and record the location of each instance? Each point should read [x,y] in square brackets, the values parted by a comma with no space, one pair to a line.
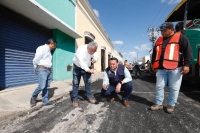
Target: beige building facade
[89,26]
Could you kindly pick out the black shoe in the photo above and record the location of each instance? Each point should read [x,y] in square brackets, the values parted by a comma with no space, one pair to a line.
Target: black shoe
[33,102]
[49,103]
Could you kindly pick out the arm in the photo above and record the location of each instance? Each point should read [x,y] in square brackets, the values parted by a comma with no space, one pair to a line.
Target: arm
[81,61]
[186,49]
[127,75]
[38,56]
[105,81]
[95,57]
[127,78]
[187,54]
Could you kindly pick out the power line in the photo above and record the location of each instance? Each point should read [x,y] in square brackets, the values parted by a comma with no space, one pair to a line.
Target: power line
[164,11]
[157,14]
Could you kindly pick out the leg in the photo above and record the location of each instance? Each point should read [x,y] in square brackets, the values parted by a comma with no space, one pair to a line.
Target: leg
[42,79]
[136,73]
[109,92]
[161,80]
[75,82]
[175,79]
[140,73]
[127,88]
[87,80]
[45,92]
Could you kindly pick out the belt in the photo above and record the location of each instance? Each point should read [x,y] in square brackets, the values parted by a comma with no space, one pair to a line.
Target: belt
[47,68]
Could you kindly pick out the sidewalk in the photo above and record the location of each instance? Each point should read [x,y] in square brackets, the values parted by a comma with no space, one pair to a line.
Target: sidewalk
[17,100]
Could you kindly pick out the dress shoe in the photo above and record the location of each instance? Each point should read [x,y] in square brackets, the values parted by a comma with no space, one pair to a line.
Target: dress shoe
[91,100]
[112,99]
[126,103]
[47,104]
[170,109]
[33,102]
[75,103]
[156,107]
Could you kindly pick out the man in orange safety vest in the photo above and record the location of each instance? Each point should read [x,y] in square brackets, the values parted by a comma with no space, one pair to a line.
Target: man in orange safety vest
[171,58]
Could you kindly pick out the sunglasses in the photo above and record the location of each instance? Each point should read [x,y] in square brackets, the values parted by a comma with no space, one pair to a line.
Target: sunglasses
[164,26]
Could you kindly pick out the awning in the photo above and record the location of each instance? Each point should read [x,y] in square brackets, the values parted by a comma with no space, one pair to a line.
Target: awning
[178,13]
[34,11]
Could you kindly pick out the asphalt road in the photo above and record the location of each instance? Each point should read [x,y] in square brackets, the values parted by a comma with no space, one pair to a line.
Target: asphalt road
[106,117]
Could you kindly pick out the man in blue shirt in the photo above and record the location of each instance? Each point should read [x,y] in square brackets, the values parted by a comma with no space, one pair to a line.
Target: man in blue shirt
[42,66]
[117,78]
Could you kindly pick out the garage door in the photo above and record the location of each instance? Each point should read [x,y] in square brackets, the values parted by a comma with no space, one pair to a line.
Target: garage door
[19,38]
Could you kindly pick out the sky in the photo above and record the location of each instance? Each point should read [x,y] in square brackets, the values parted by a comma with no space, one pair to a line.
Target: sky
[126,22]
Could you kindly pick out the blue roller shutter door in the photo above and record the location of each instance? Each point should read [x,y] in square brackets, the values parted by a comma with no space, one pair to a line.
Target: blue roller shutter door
[19,38]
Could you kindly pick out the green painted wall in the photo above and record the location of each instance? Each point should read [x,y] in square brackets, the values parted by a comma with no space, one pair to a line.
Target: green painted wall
[62,55]
[63,9]
[194,39]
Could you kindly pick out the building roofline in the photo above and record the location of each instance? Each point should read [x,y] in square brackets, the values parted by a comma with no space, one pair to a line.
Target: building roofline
[90,11]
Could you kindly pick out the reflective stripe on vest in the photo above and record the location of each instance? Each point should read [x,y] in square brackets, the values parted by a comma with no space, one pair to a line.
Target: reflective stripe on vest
[158,49]
[171,53]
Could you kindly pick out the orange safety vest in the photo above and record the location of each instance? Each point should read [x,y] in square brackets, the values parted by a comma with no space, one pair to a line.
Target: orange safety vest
[171,53]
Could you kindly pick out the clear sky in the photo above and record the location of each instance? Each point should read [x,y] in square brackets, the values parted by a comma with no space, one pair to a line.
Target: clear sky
[127,21]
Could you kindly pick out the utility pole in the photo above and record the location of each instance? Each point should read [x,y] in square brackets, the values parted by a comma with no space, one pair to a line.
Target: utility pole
[137,57]
[153,33]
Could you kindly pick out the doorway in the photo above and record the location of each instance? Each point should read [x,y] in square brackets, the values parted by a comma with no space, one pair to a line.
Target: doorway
[102,60]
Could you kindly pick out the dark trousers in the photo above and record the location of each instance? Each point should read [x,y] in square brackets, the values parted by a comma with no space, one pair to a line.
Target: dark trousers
[138,71]
[77,73]
[126,88]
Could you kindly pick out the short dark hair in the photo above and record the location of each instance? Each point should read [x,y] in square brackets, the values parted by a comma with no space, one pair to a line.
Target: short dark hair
[113,58]
[51,40]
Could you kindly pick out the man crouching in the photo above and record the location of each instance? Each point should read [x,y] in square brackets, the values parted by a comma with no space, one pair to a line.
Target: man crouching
[117,78]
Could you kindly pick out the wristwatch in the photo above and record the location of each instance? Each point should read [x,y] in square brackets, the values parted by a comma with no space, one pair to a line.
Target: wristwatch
[120,82]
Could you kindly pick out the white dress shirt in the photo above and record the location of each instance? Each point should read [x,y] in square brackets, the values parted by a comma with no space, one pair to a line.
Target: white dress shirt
[127,76]
[82,58]
[43,56]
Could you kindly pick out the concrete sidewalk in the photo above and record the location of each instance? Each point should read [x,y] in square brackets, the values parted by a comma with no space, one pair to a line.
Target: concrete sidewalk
[17,100]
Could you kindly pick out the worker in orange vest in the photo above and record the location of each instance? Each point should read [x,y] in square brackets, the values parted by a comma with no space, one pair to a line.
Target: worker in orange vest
[126,63]
[172,55]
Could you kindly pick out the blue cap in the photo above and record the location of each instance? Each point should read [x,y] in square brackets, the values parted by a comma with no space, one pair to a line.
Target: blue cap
[166,25]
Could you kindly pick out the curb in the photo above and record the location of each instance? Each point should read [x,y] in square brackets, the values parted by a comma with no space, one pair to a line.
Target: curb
[14,115]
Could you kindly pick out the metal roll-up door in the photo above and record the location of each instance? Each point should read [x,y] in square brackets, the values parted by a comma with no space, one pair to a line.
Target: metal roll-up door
[19,38]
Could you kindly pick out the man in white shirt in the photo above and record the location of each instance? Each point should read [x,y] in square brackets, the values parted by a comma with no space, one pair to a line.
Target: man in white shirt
[42,67]
[85,55]
[117,78]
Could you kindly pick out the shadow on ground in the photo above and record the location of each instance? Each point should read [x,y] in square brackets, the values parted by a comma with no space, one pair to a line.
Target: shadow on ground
[52,91]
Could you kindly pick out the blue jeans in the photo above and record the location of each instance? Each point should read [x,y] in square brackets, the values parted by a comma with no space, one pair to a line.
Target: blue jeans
[44,80]
[127,88]
[174,79]
[77,73]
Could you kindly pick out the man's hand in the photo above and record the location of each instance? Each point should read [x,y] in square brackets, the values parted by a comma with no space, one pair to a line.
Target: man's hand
[91,71]
[118,88]
[34,70]
[93,60]
[155,70]
[185,70]
[105,87]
